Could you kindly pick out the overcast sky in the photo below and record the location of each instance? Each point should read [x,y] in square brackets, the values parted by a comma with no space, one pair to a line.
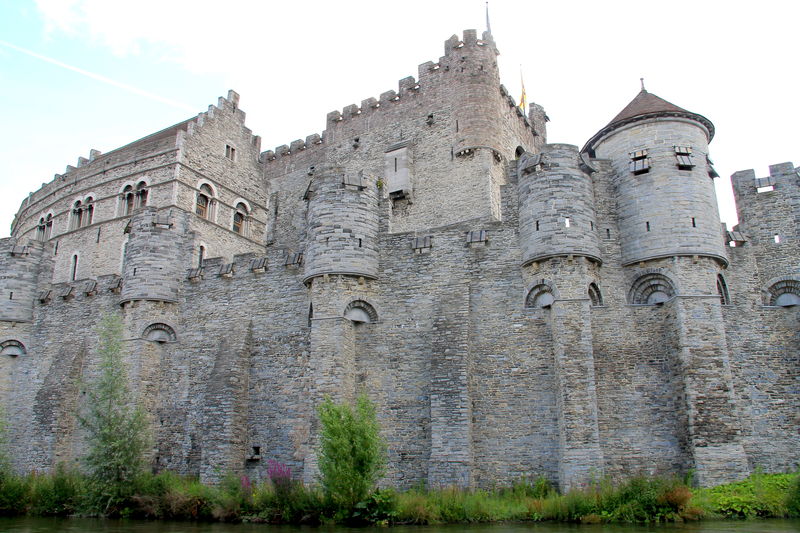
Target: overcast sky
[82,74]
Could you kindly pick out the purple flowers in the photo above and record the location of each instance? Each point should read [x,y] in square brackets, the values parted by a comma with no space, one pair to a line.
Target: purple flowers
[280,475]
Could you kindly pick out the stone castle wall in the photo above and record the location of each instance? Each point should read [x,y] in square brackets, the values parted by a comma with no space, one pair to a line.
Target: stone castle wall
[493,351]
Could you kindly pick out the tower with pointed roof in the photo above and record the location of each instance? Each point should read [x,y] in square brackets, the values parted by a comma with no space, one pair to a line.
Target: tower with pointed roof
[672,248]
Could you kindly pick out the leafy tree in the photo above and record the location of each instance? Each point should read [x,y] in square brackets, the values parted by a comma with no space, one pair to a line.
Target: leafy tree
[352,452]
[116,427]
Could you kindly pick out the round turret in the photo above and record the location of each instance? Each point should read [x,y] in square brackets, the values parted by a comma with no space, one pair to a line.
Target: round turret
[557,214]
[154,262]
[19,264]
[666,201]
[342,225]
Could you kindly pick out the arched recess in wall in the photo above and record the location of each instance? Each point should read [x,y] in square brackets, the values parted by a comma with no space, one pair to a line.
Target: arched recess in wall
[783,292]
[360,312]
[12,348]
[126,200]
[76,215]
[595,296]
[241,217]
[141,194]
[541,296]
[519,151]
[159,333]
[651,289]
[206,200]
[44,230]
[722,290]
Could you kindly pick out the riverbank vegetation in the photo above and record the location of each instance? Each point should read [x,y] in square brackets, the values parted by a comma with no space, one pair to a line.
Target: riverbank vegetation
[282,500]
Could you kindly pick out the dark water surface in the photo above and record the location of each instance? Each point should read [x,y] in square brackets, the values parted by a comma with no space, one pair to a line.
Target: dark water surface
[75,525]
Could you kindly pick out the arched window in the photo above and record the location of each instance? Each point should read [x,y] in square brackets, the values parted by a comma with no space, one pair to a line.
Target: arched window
[722,290]
[141,194]
[519,151]
[159,333]
[40,230]
[204,205]
[785,293]
[651,289]
[48,226]
[128,200]
[88,214]
[241,219]
[74,269]
[77,214]
[201,255]
[12,348]
[595,296]
[360,312]
[540,296]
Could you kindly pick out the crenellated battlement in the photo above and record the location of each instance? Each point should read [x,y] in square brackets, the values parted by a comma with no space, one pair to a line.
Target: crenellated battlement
[310,144]
[765,206]
[470,41]
[780,174]
[457,50]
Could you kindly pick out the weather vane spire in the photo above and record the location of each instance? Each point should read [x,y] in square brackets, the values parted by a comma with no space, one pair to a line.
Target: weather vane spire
[488,26]
[641,80]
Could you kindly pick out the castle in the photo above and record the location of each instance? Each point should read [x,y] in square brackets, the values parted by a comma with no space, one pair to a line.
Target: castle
[513,307]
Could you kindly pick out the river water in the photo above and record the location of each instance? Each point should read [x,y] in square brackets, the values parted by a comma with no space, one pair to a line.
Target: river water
[79,525]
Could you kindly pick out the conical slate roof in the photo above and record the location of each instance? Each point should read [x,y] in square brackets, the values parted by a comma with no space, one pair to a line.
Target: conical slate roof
[647,105]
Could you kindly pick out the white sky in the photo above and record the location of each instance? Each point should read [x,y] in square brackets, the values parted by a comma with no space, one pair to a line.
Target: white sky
[81,74]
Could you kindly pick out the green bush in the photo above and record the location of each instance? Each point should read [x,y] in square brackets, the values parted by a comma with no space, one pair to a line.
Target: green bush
[793,497]
[352,453]
[185,499]
[296,504]
[380,507]
[232,499]
[14,494]
[57,494]
[758,496]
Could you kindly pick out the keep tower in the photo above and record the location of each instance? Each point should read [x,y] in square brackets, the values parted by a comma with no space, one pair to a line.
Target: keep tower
[482,137]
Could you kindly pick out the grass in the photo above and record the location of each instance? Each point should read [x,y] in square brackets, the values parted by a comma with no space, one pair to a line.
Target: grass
[643,499]
[636,500]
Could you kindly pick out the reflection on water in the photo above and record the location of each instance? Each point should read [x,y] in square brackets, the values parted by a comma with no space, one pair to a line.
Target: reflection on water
[79,525]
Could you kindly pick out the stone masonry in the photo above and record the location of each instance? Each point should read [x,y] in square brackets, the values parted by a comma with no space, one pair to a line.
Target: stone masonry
[514,308]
